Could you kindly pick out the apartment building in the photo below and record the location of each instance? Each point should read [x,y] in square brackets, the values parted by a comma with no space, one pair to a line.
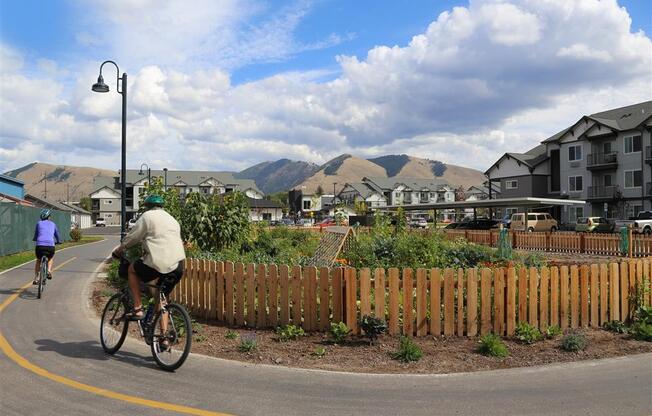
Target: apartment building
[106,197]
[604,158]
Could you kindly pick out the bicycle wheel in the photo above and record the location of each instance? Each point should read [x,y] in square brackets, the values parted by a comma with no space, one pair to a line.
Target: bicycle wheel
[114,324]
[42,275]
[172,337]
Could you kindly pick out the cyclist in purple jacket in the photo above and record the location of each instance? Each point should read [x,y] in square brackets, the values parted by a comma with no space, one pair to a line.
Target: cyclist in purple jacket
[46,236]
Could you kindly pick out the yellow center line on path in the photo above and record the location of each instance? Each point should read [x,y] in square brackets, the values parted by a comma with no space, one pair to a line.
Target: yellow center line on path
[7,349]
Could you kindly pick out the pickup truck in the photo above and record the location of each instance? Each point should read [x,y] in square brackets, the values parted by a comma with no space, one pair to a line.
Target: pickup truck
[642,224]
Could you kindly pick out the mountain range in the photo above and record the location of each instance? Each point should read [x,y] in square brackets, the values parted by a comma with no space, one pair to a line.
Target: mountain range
[73,182]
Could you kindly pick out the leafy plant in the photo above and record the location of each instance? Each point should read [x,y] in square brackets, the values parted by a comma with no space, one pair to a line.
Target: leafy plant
[552,331]
[527,333]
[641,331]
[248,343]
[491,345]
[319,352]
[338,332]
[616,326]
[574,342]
[643,314]
[289,333]
[75,234]
[408,351]
[372,327]
[231,334]
[200,338]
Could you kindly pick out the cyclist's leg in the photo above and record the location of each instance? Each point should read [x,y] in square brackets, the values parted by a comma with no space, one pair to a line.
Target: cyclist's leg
[178,272]
[50,262]
[134,286]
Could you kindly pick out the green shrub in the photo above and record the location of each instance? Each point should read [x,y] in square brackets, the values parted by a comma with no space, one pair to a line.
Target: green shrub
[112,276]
[231,335]
[289,333]
[248,343]
[491,345]
[407,351]
[615,326]
[574,342]
[527,333]
[75,234]
[372,327]
[641,331]
[339,331]
[319,352]
[552,331]
[643,314]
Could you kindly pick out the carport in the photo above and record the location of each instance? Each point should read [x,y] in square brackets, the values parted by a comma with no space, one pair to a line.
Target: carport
[529,204]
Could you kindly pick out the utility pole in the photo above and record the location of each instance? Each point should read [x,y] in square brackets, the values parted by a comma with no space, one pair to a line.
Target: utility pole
[67,192]
[45,183]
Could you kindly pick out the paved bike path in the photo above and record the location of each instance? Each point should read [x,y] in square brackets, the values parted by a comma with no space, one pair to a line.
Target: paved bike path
[56,335]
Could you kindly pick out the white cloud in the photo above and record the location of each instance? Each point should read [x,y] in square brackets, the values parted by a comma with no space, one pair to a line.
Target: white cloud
[493,77]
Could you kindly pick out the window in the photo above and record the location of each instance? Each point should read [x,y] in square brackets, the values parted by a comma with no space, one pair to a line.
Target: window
[633,144]
[575,213]
[633,178]
[633,210]
[513,184]
[607,180]
[541,217]
[606,147]
[511,211]
[575,153]
[306,204]
[108,202]
[531,217]
[575,183]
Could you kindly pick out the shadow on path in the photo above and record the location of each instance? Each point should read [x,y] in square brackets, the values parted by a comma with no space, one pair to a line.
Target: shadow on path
[92,350]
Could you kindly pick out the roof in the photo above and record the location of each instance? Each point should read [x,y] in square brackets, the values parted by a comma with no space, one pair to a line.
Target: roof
[11,179]
[381,184]
[76,208]
[4,197]
[117,191]
[531,158]
[193,177]
[43,202]
[529,202]
[263,203]
[364,189]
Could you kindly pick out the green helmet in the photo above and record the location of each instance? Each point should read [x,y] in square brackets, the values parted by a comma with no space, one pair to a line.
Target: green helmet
[154,201]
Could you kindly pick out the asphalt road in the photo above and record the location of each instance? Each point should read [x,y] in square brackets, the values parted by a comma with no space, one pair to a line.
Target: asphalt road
[52,364]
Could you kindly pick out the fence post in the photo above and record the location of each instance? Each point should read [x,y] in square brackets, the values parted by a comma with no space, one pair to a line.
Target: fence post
[548,247]
[631,240]
[513,233]
[581,242]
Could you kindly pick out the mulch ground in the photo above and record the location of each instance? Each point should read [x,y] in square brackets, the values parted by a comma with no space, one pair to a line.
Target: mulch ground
[440,354]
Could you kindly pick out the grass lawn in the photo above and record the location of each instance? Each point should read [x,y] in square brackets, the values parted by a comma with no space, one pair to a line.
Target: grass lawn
[7,262]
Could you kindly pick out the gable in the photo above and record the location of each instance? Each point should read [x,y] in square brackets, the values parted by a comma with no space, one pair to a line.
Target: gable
[508,166]
[577,130]
[105,192]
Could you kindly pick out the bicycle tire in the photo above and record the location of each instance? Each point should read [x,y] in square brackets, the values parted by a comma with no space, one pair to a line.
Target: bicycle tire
[122,333]
[42,275]
[178,334]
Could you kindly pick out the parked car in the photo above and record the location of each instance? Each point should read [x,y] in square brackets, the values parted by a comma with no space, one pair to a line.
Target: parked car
[535,222]
[452,225]
[285,221]
[327,222]
[642,224]
[131,223]
[304,222]
[419,223]
[100,222]
[479,224]
[594,225]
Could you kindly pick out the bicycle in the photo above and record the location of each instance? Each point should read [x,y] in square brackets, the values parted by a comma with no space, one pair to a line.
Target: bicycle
[166,327]
[42,276]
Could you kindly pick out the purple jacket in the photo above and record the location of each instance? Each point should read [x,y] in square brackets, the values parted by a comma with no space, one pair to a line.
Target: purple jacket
[46,233]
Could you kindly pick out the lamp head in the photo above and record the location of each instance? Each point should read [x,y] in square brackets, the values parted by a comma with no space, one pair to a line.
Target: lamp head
[140,172]
[100,86]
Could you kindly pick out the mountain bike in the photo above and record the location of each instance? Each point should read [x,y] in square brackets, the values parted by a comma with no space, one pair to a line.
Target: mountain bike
[42,276]
[166,327]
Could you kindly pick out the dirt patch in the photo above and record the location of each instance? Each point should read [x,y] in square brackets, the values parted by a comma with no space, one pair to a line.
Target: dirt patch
[440,355]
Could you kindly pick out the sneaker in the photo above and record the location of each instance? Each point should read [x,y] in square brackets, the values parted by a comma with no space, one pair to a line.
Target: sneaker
[49,276]
[35,281]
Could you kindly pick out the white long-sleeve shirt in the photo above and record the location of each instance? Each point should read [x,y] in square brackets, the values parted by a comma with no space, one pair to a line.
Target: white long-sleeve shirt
[160,234]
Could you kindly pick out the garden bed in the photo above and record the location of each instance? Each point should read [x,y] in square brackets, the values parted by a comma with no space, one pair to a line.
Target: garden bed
[440,354]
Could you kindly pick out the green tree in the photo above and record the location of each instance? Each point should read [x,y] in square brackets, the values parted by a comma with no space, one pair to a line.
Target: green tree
[86,203]
[319,191]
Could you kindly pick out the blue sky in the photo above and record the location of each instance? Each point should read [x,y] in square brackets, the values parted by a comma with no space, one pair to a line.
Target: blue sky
[225,84]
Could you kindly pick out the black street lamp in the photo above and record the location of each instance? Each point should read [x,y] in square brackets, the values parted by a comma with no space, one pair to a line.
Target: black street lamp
[334,197]
[165,183]
[149,173]
[100,86]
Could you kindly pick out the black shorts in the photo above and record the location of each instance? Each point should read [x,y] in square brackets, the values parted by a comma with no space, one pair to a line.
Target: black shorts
[47,251]
[147,274]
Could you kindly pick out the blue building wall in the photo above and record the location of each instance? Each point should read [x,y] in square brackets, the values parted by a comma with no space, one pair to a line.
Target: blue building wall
[12,187]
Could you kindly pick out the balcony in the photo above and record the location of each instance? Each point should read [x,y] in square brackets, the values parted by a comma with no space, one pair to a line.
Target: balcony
[600,161]
[604,193]
[648,154]
[648,189]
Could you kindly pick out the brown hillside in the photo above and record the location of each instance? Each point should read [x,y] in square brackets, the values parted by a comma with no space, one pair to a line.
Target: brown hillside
[62,181]
[454,175]
[350,169]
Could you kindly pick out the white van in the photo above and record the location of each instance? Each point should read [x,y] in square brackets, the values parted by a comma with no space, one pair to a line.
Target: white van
[535,222]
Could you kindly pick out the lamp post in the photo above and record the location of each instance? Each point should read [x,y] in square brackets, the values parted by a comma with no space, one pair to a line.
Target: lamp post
[165,181]
[334,199]
[121,88]
[149,173]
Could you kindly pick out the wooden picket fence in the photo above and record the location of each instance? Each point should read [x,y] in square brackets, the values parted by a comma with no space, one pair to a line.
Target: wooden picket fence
[559,242]
[462,302]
